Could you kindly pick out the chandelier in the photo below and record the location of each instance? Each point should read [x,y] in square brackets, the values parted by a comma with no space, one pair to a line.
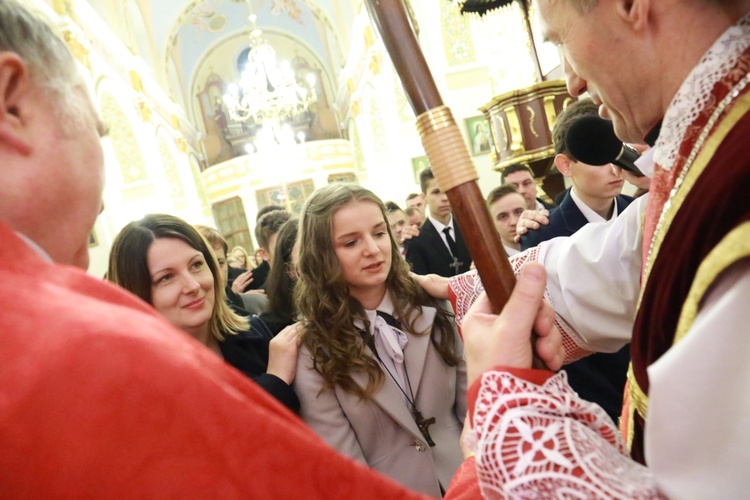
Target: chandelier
[268,92]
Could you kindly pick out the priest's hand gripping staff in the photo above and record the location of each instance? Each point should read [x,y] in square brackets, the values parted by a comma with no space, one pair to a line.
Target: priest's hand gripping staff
[446,150]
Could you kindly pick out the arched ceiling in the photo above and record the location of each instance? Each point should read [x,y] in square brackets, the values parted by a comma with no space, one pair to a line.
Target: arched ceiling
[184,32]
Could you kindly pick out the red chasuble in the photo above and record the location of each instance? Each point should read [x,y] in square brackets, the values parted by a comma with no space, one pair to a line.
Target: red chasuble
[100,397]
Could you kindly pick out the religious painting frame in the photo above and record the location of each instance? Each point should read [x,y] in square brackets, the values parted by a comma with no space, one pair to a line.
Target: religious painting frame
[419,163]
[478,132]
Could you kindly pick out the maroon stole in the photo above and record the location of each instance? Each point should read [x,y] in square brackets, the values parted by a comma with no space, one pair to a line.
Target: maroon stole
[703,213]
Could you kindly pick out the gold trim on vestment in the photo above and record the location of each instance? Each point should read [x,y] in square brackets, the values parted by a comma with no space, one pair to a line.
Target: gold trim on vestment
[638,401]
[692,170]
[732,248]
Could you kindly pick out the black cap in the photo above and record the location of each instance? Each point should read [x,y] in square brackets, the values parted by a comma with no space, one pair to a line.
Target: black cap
[481,7]
[592,140]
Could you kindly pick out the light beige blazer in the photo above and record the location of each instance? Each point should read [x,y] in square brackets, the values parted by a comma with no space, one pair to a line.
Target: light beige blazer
[381,432]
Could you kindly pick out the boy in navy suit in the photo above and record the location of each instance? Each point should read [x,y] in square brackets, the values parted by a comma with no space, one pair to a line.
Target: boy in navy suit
[594,197]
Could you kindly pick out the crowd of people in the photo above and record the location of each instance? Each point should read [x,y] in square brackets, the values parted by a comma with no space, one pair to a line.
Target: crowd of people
[359,357]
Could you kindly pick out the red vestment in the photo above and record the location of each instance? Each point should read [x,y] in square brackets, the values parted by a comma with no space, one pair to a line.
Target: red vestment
[99,396]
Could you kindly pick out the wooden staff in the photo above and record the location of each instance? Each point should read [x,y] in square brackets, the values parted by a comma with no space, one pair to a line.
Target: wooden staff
[446,150]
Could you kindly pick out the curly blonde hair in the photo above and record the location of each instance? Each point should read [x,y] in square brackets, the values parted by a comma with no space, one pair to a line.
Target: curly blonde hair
[327,309]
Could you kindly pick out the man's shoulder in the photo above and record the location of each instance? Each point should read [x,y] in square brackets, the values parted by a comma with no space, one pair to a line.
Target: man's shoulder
[533,237]
[547,205]
[557,216]
[426,231]
[623,201]
[555,228]
[74,296]
[427,225]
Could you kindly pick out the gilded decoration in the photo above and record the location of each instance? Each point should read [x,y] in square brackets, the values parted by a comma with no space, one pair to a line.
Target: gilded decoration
[145,111]
[135,81]
[65,8]
[376,63]
[376,124]
[359,155]
[80,52]
[368,37]
[170,170]
[123,140]
[195,170]
[457,42]
[405,113]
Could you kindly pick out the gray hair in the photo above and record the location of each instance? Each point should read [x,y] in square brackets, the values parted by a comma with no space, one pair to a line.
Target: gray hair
[51,65]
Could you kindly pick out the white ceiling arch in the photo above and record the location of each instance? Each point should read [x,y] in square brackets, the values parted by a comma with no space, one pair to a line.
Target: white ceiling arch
[198,25]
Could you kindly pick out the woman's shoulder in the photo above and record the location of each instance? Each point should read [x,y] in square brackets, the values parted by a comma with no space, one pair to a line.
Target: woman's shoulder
[429,308]
[258,328]
[273,322]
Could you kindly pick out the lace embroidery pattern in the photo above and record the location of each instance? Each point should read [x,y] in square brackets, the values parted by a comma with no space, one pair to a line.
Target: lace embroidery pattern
[695,93]
[545,442]
[468,286]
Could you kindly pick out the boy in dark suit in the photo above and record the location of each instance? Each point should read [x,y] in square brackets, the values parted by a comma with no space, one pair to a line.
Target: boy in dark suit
[594,197]
[439,248]
[595,194]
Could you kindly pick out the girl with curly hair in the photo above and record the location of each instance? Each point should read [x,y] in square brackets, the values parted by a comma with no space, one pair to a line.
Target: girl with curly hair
[380,375]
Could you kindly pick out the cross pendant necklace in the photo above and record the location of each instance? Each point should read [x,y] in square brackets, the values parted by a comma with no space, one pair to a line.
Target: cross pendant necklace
[456,265]
[423,424]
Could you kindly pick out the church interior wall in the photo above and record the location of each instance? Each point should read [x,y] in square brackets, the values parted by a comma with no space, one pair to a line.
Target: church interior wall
[471,59]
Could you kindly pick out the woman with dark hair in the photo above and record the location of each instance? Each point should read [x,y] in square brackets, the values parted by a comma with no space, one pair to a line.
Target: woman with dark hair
[166,262]
[381,375]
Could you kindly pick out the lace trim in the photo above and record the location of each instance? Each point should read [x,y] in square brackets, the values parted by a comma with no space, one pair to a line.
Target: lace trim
[545,442]
[468,286]
[695,92]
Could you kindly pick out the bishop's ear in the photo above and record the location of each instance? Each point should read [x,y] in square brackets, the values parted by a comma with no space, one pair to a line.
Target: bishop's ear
[14,91]
[633,12]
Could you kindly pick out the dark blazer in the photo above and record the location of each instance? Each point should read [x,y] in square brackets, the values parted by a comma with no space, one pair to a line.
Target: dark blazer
[600,377]
[428,253]
[548,206]
[235,301]
[248,353]
[260,273]
[564,221]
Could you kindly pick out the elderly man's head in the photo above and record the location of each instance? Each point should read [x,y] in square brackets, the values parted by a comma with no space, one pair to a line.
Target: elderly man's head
[51,161]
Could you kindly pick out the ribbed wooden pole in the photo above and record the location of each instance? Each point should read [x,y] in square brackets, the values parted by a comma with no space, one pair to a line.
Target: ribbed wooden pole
[446,150]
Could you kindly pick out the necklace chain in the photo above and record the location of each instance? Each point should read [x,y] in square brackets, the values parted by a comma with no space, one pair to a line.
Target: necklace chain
[733,94]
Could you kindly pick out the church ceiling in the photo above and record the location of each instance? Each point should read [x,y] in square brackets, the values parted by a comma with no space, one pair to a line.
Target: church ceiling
[183,33]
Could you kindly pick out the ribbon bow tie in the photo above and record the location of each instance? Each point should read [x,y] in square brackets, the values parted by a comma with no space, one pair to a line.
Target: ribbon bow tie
[392,340]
